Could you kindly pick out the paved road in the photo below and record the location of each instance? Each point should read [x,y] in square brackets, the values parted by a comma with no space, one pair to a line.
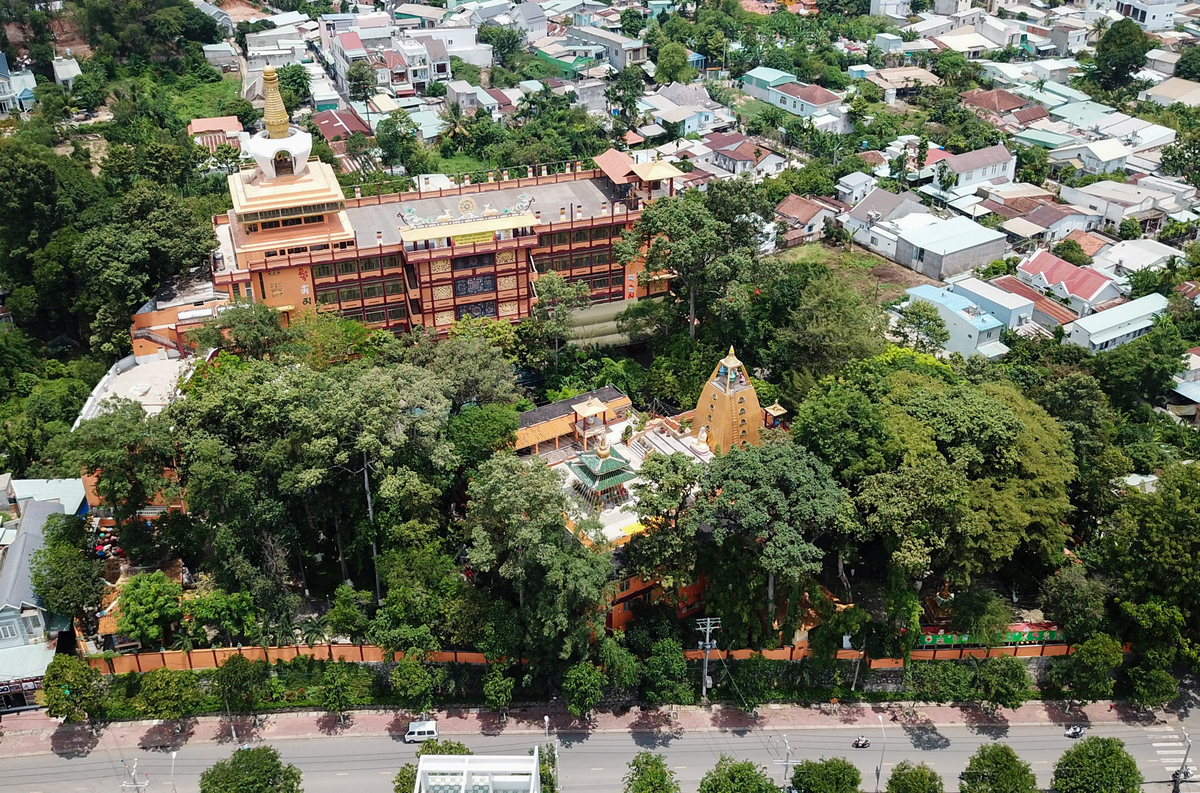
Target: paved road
[597,762]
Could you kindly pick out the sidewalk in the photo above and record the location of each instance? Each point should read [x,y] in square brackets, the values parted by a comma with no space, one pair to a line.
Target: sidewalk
[35,733]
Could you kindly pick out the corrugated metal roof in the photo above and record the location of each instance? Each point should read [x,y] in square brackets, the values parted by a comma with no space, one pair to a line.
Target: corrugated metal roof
[15,585]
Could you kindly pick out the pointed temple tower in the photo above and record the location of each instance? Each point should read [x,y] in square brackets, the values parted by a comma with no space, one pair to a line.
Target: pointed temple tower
[728,413]
[288,204]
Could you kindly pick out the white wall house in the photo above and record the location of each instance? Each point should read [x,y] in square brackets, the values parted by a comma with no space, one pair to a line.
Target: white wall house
[972,330]
[1116,326]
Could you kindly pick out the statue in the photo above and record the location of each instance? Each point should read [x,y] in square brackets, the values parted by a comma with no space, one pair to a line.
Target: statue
[701,442]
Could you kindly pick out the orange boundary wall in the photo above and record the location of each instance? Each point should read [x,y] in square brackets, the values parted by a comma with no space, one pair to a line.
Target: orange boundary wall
[369,653]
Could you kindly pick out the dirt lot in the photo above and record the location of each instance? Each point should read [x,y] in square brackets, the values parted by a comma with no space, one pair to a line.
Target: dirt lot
[864,271]
[242,11]
[68,37]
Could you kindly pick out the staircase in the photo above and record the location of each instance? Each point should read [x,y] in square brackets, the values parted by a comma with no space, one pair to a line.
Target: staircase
[163,341]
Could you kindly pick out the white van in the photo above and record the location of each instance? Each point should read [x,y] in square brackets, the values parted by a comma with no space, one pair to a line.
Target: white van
[419,731]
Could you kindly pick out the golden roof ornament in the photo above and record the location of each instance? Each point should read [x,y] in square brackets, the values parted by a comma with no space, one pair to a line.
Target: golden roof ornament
[274,114]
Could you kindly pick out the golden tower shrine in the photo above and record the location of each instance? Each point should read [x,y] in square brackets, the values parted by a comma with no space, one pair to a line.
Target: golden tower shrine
[728,413]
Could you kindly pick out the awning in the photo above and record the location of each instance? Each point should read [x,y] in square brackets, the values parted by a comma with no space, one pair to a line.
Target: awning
[593,407]
[656,171]
[1022,227]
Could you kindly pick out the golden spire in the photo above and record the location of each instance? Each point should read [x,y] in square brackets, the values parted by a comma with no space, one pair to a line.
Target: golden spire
[275,114]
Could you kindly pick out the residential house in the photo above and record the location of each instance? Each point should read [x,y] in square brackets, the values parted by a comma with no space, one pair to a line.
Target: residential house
[949,247]
[1047,312]
[16,88]
[948,7]
[804,219]
[1011,310]
[339,124]
[803,100]
[222,55]
[960,174]
[346,49]
[1053,222]
[1105,330]
[1090,243]
[854,186]
[902,81]
[972,330]
[996,102]
[894,9]
[1149,14]
[877,207]
[1162,61]
[1119,200]
[1175,89]
[1131,256]
[1069,36]
[218,15]
[420,69]
[739,154]
[444,43]
[24,621]
[531,19]
[690,119]
[65,71]
[1094,156]
[620,51]
[423,16]
[759,81]
[1081,287]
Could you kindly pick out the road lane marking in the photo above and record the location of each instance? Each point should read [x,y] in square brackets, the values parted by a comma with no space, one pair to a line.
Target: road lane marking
[1171,751]
[597,769]
[1168,743]
[343,773]
[680,767]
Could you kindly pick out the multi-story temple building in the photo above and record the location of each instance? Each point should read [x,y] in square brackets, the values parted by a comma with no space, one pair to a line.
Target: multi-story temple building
[425,257]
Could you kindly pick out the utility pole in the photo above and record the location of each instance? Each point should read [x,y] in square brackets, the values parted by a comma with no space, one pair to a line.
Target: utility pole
[708,625]
[786,762]
[1183,772]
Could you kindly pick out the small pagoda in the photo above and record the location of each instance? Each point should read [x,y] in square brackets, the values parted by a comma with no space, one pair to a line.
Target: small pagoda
[602,475]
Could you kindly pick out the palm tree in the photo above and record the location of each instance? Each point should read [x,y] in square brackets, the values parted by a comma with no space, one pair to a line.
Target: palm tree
[315,630]
[1040,84]
[1099,26]
[457,124]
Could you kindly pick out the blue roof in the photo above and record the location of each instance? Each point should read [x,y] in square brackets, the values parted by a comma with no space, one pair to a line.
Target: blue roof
[24,95]
[956,303]
[769,75]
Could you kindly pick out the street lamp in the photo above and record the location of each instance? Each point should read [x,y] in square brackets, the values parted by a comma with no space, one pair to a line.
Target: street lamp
[879,768]
[1184,772]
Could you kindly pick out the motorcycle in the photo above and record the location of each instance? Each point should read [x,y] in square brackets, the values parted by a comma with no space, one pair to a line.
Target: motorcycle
[1074,732]
[861,743]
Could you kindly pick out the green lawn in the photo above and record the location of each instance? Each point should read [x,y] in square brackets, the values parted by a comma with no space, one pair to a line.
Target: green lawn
[752,107]
[461,163]
[205,100]
[871,276]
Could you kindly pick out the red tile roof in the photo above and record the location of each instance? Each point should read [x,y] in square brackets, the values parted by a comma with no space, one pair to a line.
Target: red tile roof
[1080,282]
[998,100]
[212,140]
[350,41]
[1090,243]
[201,126]
[797,208]
[813,94]
[1051,308]
[1028,115]
[1190,290]
[339,124]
